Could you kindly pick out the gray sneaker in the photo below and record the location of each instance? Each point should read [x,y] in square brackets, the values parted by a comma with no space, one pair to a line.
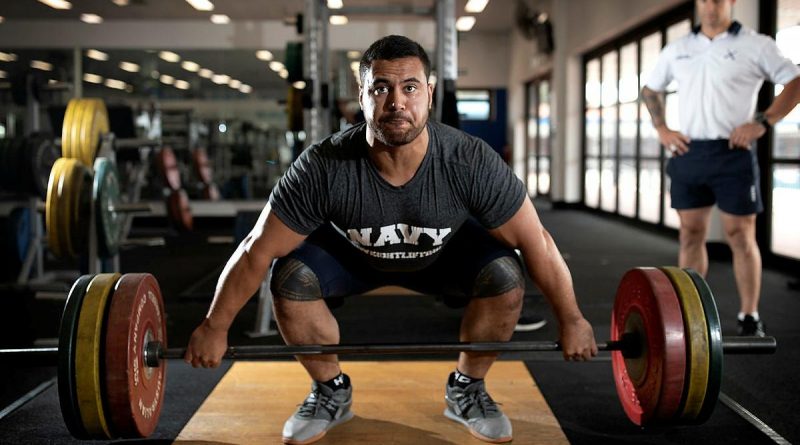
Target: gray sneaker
[322,410]
[474,407]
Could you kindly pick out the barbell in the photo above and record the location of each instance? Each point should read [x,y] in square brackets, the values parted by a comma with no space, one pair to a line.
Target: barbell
[666,345]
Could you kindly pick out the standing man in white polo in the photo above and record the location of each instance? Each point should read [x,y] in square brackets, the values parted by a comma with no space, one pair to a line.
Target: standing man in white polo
[719,68]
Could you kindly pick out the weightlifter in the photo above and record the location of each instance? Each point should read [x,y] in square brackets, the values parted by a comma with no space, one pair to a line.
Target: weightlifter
[397,200]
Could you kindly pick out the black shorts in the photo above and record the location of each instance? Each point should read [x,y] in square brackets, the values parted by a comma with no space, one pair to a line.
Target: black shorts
[713,173]
[342,270]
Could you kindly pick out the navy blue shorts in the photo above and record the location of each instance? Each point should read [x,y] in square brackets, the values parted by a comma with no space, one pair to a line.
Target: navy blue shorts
[713,173]
[342,270]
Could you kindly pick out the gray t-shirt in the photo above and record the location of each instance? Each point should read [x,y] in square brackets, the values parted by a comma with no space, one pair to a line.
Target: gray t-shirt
[397,228]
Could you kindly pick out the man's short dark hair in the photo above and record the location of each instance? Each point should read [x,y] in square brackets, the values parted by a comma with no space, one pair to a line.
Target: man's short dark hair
[390,48]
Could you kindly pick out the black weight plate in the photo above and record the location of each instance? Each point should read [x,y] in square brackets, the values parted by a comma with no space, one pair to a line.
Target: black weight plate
[67,339]
[715,346]
[41,156]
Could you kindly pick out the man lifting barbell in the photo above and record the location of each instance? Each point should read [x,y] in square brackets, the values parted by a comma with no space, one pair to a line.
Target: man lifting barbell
[397,200]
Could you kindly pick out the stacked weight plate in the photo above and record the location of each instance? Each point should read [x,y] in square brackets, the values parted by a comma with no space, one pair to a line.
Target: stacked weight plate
[70,185]
[25,163]
[179,209]
[105,390]
[85,122]
[675,377]
[205,174]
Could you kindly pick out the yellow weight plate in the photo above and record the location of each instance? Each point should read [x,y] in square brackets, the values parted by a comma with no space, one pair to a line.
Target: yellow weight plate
[94,123]
[697,342]
[77,198]
[65,197]
[80,211]
[66,127]
[86,153]
[75,133]
[88,376]
[99,127]
[52,215]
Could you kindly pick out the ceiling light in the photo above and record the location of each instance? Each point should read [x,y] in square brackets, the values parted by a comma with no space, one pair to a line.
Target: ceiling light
[57,4]
[276,66]
[246,89]
[205,73]
[220,19]
[220,79]
[116,84]
[3,74]
[97,55]
[335,4]
[91,19]
[7,57]
[475,6]
[129,67]
[92,78]
[121,2]
[354,65]
[354,54]
[299,84]
[41,65]
[465,23]
[166,79]
[284,73]
[2,19]
[201,5]
[234,83]
[169,56]
[182,85]
[338,20]
[264,55]
[154,74]
[192,67]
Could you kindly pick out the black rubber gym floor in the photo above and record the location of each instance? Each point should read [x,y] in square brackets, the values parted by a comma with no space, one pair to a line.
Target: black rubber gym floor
[582,395]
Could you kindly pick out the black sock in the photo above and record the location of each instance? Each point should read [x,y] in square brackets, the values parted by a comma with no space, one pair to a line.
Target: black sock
[462,380]
[341,381]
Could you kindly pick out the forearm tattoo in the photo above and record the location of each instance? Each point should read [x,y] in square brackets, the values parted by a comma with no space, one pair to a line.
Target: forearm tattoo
[655,106]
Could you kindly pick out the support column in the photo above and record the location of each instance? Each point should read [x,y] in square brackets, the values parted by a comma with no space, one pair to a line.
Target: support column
[446,62]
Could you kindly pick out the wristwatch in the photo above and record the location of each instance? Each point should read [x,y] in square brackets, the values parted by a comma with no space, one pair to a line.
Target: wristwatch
[761,118]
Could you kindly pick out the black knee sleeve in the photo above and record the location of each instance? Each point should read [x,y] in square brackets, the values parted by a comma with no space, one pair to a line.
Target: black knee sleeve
[499,276]
[293,280]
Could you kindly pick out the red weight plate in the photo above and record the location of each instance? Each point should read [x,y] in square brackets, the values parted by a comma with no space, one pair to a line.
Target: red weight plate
[135,392]
[202,166]
[649,386]
[179,210]
[168,167]
[211,192]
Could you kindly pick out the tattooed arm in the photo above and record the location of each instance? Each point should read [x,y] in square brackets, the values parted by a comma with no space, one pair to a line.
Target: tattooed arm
[674,141]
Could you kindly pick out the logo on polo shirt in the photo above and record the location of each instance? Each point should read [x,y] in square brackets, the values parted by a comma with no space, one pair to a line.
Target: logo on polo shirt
[730,54]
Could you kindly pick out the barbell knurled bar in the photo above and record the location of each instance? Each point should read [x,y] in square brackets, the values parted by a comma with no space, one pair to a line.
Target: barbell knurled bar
[154,352]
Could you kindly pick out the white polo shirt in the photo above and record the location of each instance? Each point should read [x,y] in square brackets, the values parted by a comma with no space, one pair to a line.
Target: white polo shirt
[718,79]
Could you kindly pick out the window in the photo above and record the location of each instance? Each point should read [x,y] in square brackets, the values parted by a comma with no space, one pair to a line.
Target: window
[785,168]
[474,105]
[623,160]
[538,140]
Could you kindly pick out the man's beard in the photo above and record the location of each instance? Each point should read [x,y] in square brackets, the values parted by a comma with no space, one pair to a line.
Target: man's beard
[392,136]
